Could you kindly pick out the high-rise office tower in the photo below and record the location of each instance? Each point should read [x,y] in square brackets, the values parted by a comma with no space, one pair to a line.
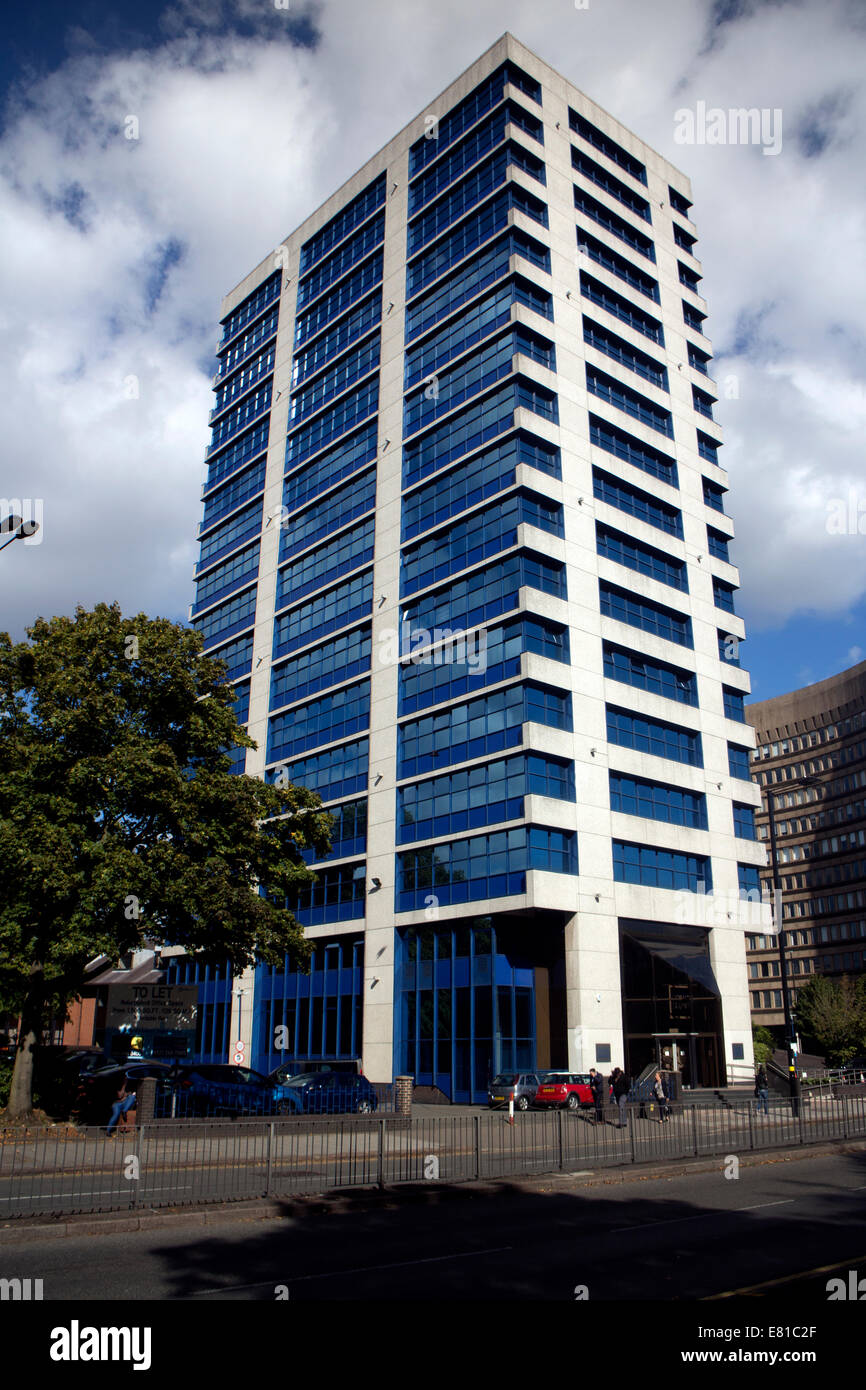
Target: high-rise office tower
[465,552]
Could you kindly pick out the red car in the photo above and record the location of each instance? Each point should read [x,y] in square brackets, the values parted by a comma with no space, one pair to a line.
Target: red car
[565,1088]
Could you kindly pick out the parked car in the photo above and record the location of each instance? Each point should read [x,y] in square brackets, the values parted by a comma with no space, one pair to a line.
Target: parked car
[220,1089]
[569,1089]
[333,1093]
[521,1087]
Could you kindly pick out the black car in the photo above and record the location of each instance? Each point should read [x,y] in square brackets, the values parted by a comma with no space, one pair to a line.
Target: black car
[334,1093]
[97,1088]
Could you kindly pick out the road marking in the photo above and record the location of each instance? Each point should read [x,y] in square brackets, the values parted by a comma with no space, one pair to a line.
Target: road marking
[785,1279]
[677,1221]
[759,1206]
[364,1269]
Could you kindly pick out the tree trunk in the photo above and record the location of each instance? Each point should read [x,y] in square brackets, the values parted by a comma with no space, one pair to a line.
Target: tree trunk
[29,1035]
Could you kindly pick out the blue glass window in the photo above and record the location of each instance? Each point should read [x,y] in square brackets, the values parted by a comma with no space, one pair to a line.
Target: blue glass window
[488,724]
[343,222]
[339,377]
[346,504]
[734,703]
[243,449]
[698,359]
[744,821]
[692,316]
[252,306]
[475,229]
[688,277]
[237,419]
[646,673]
[637,796]
[483,795]
[614,187]
[639,504]
[607,388]
[482,139]
[645,559]
[480,477]
[319,667]
[661,868]
[714,495]
[609,147]
[348,832]
[239,569]
[333,773]
[238,657]
[679,202]
[738,762]
[655,736]
[643,613]
[471,190]
[491,264]
[475,538]
[450,127]
[484,594]
[486,365]
[343,333]
[331,305]
[749,882]
[251,372]
[626,233]
[624,446]
[703,403]
[481,318]
[707,448]
[337,608]
[242,347]
[476,425]
[618,265]
[338,463]
[492,655]
[718,544]
[228,618]
[621,308]
[339,895]
[318,567]
[623,353]
[348,254]
[723,595]
[241,527]
[334,716]
[339,418]
[485,866]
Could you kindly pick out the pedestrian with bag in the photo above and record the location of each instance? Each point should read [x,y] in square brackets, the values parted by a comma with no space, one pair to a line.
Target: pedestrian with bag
[661,1096]
[621,1087]
[762,1091]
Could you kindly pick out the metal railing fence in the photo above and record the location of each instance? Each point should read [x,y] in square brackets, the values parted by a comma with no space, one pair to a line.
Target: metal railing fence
[161,1164]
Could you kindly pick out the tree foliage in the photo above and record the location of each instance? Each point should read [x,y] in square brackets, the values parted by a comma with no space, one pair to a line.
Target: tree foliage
[120,821]
[833,1012]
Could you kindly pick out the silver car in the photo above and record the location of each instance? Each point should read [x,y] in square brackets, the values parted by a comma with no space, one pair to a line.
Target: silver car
[521,1087]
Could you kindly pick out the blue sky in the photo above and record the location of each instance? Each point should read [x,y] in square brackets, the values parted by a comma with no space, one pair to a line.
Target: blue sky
[117,252]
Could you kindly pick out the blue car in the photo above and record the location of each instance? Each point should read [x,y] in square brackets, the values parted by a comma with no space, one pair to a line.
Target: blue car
[333,1093]
[226,1090]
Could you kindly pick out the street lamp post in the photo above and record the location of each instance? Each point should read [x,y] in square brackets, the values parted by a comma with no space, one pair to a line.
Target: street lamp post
[790,1032]
[16,529]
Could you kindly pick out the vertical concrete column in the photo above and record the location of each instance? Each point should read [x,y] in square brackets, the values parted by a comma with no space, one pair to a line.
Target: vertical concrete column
[381,805]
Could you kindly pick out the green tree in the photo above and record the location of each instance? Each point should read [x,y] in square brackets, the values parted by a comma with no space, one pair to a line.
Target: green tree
[833,1012]
[120,822]
[763,1044]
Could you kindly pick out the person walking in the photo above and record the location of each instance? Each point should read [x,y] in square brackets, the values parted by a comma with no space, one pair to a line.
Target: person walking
[596,1081]
[621,1087]
[126,1101]
[661,1096]
[762,1091]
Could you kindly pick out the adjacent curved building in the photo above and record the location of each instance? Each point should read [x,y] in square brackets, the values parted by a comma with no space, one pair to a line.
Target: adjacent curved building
[811,755]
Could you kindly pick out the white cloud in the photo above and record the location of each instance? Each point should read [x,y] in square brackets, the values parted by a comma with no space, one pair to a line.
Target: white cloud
[241,137]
